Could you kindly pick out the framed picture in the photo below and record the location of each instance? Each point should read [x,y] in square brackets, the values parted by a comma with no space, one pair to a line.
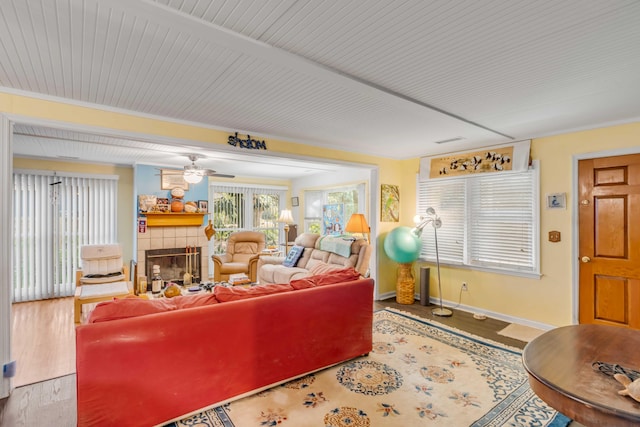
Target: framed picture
[556,201]
[203,206]
[390,203]
[172,178]
[333,218]
[295,201]
[163,205]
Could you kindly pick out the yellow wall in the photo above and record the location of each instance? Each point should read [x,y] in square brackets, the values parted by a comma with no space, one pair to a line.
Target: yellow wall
[547,300]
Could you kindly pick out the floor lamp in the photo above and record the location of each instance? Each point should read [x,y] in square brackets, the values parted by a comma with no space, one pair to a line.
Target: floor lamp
[435,221]
[286,218]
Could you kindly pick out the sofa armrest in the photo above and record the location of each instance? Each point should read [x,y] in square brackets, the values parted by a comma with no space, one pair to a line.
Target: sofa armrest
[253,268]
[268,259]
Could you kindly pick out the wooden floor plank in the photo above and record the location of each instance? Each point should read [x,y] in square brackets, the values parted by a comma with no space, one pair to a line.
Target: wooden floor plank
[43,340]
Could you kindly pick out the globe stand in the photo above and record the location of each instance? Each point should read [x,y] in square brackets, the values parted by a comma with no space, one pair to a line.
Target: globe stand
[442,312]
[405,284]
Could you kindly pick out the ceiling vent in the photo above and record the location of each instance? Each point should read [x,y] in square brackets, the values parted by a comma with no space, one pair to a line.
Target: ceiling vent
[444,141]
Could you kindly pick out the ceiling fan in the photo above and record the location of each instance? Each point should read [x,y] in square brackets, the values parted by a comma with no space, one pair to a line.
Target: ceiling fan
[193,173]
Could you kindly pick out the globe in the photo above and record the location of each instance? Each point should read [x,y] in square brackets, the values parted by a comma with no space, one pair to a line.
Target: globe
[402,245]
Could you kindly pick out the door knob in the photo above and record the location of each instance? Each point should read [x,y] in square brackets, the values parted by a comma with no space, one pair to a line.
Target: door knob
[584,202]
[585,259]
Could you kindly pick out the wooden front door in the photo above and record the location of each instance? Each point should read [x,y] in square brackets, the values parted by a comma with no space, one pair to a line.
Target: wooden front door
[609,227]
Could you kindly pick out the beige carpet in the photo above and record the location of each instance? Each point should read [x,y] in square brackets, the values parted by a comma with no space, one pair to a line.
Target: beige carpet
[521,332]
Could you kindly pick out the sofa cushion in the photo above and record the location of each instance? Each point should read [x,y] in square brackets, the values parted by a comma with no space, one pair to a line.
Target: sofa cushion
[337,276]
[198,300]
[323,268]
[234,293]
[122,308]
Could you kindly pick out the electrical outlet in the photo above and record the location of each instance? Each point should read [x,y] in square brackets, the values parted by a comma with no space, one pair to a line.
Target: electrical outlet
[465,288]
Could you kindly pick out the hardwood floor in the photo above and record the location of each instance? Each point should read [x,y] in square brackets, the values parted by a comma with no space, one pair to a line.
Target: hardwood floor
[463,320]
[43,340]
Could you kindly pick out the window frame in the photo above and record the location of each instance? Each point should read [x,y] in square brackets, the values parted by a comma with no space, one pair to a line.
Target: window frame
[310,196]
[247,193]
[465,226]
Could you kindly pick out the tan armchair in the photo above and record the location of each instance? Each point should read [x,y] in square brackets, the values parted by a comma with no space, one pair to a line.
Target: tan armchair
[243,251]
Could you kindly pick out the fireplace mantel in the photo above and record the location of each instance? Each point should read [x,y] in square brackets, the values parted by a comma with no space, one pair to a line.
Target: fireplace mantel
[167,219]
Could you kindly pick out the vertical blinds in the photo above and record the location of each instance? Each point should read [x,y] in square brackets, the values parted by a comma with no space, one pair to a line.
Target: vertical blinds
[53,216]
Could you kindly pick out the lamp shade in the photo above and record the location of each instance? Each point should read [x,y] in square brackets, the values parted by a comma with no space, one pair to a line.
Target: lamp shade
[192,177]
[357,224]
[402,245]
[286,217]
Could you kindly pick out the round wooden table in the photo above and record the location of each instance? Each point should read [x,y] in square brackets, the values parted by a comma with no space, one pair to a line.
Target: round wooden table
[559,364]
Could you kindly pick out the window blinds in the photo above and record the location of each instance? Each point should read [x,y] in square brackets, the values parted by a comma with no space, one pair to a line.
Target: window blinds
[488,220]
[53,216]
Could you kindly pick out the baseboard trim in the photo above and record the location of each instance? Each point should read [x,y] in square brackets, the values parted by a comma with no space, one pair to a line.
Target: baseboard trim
[474,310]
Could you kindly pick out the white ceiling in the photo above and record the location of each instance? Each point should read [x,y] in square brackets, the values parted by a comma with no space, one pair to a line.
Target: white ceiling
[382,77]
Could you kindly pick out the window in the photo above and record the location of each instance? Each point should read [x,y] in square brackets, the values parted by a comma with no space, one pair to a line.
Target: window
[240,207]
[489,221]
[53,216]
[352,197]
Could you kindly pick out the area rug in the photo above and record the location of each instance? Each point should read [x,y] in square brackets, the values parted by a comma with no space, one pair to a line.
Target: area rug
[520,332]
[419,373]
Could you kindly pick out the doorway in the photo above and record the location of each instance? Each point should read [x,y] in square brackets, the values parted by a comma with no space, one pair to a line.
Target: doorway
[609,240]
[7,123]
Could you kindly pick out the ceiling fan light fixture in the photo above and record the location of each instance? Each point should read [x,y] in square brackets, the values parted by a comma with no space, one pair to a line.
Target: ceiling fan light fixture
[192,176]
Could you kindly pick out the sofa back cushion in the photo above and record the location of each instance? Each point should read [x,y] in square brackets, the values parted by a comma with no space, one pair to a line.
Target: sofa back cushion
[234,293]
[332,277]
[122,308]
[198,300]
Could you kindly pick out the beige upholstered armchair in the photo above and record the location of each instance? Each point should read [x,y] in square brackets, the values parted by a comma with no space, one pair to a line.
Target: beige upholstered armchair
[243,251]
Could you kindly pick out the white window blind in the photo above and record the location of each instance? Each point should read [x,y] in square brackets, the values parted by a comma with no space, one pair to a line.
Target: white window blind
[489,221]
[53,216]
[245,207]
[447,197]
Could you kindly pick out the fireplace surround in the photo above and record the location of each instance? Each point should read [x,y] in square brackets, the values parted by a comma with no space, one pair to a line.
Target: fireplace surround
[175,239]
[174,263]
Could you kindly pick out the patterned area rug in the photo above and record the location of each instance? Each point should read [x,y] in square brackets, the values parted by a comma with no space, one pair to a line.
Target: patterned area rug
[419,373]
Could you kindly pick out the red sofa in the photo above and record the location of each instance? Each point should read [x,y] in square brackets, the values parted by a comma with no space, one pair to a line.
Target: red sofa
[155,368]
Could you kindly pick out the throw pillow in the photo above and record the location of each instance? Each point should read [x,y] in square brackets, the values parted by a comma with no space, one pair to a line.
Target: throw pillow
[122,308]
[234,293]
[293,256]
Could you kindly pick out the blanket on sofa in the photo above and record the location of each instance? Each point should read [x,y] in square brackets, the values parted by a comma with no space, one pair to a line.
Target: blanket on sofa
[340,245]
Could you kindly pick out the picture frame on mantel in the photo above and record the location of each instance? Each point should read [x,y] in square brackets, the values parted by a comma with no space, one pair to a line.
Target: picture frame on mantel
[170,179]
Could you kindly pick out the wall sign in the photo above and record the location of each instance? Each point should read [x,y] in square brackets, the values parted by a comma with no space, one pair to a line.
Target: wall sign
[249,143]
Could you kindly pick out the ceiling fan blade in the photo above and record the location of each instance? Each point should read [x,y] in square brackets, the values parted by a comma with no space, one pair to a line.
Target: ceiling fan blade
[220,175]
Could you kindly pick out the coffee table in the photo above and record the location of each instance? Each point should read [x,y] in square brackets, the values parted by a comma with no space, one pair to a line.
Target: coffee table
[559,363]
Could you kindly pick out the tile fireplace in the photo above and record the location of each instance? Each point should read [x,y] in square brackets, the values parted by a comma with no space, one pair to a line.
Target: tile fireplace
[166,246]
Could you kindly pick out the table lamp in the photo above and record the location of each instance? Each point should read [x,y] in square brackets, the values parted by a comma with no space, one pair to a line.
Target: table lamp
[358,224]
[286,218]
